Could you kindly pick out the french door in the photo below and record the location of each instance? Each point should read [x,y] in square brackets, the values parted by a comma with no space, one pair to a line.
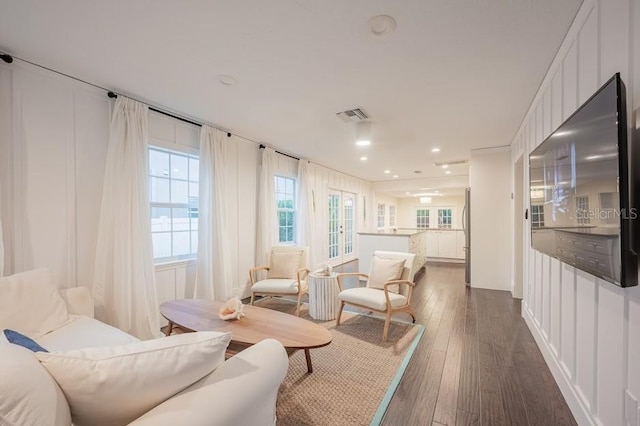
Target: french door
[342,227]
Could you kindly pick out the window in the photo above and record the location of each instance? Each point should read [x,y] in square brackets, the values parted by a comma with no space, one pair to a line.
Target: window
[286,205]
[444,218]
[381,208]
[422,218]
[392,216]
[173,199]
[537,216]
[582,210]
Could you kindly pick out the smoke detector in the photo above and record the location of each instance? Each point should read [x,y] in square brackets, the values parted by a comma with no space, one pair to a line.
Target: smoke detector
[352,115]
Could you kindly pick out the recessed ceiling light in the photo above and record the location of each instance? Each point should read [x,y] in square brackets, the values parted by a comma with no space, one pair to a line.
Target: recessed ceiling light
[408,193]
[448,172]
[445,166]
[395,176]
[435,149]
[387,171]
[227,80]
[417,172]
[363,143]
[382,25]
[363,158]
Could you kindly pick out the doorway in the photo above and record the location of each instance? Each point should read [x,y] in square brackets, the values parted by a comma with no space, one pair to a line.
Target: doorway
[342,227]
[519,229]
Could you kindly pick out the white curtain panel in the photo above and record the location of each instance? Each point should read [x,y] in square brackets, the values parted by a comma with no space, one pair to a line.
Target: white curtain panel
[213,280]
[307,222]
[124,287]
[267,214]
[1,241]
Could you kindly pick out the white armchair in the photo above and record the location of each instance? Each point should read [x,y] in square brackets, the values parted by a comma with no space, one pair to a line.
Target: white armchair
[286,274]
[389,287]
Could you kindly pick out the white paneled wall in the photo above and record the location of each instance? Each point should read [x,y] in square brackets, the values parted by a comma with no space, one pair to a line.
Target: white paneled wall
[587,329]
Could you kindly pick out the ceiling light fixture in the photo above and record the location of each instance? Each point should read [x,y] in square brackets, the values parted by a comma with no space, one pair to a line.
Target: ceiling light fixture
[227,80]
[435,150]
[363,158]
[395,176]
[363,133]
[387,172]
[382,26]
[445,166]
[448,172]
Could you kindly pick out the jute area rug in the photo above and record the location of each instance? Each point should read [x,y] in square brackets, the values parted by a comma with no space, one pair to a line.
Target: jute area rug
[353,377]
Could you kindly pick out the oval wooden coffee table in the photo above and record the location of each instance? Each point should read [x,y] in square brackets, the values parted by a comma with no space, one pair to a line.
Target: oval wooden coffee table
[259,323]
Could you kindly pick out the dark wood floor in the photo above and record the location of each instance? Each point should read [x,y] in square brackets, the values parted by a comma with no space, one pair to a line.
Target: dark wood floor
[477,363]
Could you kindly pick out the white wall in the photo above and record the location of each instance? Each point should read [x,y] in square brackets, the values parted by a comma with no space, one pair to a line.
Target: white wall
[490,183]
[587,329]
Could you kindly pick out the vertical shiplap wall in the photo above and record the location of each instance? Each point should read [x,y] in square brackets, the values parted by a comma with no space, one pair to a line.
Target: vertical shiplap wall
[587,329]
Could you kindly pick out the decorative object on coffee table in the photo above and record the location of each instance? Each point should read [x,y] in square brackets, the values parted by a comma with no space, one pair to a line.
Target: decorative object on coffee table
[231,310]
[323,296]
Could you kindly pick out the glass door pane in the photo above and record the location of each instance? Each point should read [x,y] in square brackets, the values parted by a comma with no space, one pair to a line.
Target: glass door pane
[334,226]
[349,221]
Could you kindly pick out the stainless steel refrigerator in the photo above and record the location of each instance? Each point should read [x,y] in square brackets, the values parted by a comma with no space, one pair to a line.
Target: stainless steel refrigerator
[466,227]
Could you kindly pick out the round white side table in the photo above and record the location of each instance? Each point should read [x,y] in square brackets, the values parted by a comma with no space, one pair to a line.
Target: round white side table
[323,296]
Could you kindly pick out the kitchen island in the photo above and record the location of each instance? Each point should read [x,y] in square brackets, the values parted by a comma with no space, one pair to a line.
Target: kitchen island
[402,240]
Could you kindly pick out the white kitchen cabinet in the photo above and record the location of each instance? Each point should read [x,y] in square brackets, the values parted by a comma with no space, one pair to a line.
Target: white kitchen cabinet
[445,244]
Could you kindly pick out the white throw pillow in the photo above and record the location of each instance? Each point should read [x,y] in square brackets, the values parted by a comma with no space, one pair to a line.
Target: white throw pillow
[383,270]
[117,384]
[31,304]
[284,264]
[30,396]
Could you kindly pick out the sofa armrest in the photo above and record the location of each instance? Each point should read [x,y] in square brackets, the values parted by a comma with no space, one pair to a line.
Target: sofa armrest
[241,391]
[78,300]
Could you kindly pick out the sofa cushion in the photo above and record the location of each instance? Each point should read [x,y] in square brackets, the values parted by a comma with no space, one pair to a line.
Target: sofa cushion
[30,396]
[115,385]
[22,340]
[31,304]
[84,332]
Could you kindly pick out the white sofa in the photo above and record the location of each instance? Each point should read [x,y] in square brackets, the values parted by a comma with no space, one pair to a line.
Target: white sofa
[241,390]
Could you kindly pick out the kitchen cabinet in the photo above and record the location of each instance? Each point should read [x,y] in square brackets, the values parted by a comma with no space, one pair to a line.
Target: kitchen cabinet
[445,244]
[407,241]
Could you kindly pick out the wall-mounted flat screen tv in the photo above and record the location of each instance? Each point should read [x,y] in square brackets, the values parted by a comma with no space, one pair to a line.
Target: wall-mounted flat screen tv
[581,211]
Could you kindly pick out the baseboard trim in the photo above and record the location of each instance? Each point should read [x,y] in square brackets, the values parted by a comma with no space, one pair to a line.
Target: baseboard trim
[571,394]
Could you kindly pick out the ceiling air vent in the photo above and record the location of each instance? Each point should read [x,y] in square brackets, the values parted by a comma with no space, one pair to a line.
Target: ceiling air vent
[451,163]
[352,115]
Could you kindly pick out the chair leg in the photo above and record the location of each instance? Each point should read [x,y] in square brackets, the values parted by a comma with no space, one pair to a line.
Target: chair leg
[298,307]
[339,312]
[252,297]
[412,313]
[387,320]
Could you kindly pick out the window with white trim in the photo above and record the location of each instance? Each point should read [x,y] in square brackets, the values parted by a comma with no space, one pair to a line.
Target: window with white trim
[392,216]
[422,218]
[381,211]
[286,206]
[173,200]
[444,218]
[537,216]
[582,210]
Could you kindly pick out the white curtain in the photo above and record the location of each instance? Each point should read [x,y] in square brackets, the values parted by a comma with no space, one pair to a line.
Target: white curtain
[124,287]
[267,225]
[1,239]
[307,216]
[213,281]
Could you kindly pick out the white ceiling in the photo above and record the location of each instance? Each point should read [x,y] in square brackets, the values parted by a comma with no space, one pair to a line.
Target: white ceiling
[456,74]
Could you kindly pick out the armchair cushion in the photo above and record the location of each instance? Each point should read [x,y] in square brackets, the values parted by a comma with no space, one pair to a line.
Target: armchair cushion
[286,286]
[284,264]
[371,297]
[115,385]
[31,304]
[383,270]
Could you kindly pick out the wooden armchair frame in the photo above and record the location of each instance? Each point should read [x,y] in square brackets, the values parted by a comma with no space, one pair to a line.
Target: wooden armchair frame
[301,275]
[390,310]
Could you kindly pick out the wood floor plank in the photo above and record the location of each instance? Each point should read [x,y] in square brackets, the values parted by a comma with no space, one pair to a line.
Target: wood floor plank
[476,346]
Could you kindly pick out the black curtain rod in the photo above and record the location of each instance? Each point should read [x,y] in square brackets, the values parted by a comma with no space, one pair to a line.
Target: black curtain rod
[281,153]
[7,58]
[114,96]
